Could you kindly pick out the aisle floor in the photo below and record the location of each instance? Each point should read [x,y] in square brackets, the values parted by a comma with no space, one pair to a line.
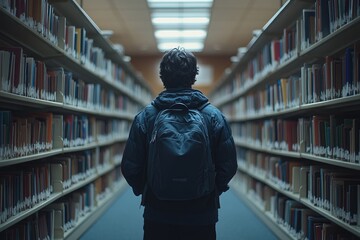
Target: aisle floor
[124,221]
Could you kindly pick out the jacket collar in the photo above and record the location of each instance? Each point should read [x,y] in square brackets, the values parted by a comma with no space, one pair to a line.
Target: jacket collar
[188,96]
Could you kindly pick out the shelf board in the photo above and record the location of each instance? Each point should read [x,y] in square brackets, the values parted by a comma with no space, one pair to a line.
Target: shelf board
[288,112]
[120,114]
[353,229]
[54,152]
[333,103]
[18,100]
[28,101]
[335,162]
[26,213]
[28,158]
[270,151]
[348,101]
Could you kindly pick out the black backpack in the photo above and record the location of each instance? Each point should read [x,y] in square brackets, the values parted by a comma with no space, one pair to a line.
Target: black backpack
[180,165]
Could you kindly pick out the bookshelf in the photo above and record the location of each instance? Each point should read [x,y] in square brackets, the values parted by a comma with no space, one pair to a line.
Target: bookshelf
[292,101]
[67,99]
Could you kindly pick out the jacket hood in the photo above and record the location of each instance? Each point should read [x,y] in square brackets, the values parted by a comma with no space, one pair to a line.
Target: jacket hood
[190,97]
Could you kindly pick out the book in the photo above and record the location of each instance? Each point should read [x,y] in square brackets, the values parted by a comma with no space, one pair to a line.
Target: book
[323,19]
[290,206]
[12,65]
[295,187]
[62,33]
[70,40]
[308,28]
[305,213]
[349,72]
[358,205]
[352,202]
[356,67]
[275,51]
[304,182]
[313,221]
[317,81]
[336,76]
[327,78]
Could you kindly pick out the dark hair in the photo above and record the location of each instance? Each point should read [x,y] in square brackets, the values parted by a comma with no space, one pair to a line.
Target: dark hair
[178,68]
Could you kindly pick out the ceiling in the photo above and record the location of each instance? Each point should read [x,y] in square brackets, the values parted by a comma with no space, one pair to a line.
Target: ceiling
[231,25]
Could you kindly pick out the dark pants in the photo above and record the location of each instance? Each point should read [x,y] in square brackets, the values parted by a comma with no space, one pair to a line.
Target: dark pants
[161,231]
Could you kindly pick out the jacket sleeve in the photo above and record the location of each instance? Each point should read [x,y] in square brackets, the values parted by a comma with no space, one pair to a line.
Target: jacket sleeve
[134,157]
[224,154]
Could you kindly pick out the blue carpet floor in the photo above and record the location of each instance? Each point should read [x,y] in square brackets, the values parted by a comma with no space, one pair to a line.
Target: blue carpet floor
[123,221]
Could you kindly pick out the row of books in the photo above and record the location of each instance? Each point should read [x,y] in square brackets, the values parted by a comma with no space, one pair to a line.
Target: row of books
[337,192]
[36,226]
[303,223]
[29,77]
[55,220]
[331,15]
[331,136]
[33,183]
[32,133]
[273,168]
[42,17]
[38,15]
[109,156]
[20,190]
[76,92]
[284,94]
[297,37]
[279,134]
[23,75]
[333,77]
[296,219]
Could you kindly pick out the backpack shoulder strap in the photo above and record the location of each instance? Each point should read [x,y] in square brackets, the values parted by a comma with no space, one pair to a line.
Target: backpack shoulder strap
[203,106]
[154,112]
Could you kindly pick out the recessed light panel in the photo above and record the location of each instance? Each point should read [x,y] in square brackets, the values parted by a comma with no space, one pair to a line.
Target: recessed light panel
[180,23]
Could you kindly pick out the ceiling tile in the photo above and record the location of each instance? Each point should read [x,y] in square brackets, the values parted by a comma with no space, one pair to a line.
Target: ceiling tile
[230,27]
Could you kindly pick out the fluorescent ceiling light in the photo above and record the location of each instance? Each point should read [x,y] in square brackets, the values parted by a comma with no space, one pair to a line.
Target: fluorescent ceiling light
[180,3]
[177,20]
[176,12]
[190,46]
[180,23]
[180,33]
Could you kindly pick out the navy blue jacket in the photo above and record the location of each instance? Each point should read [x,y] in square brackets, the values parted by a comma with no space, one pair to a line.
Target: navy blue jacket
[197,212]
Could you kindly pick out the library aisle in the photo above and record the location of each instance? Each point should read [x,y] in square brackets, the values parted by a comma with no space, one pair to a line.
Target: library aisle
[123,220]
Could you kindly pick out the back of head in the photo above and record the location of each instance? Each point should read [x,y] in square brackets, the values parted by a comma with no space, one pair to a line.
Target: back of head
[178,69]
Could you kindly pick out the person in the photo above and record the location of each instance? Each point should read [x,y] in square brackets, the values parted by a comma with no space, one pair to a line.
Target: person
[186,219]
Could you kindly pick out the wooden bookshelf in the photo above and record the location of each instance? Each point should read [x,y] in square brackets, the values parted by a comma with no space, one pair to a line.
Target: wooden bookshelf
[90,105]
[258,106]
